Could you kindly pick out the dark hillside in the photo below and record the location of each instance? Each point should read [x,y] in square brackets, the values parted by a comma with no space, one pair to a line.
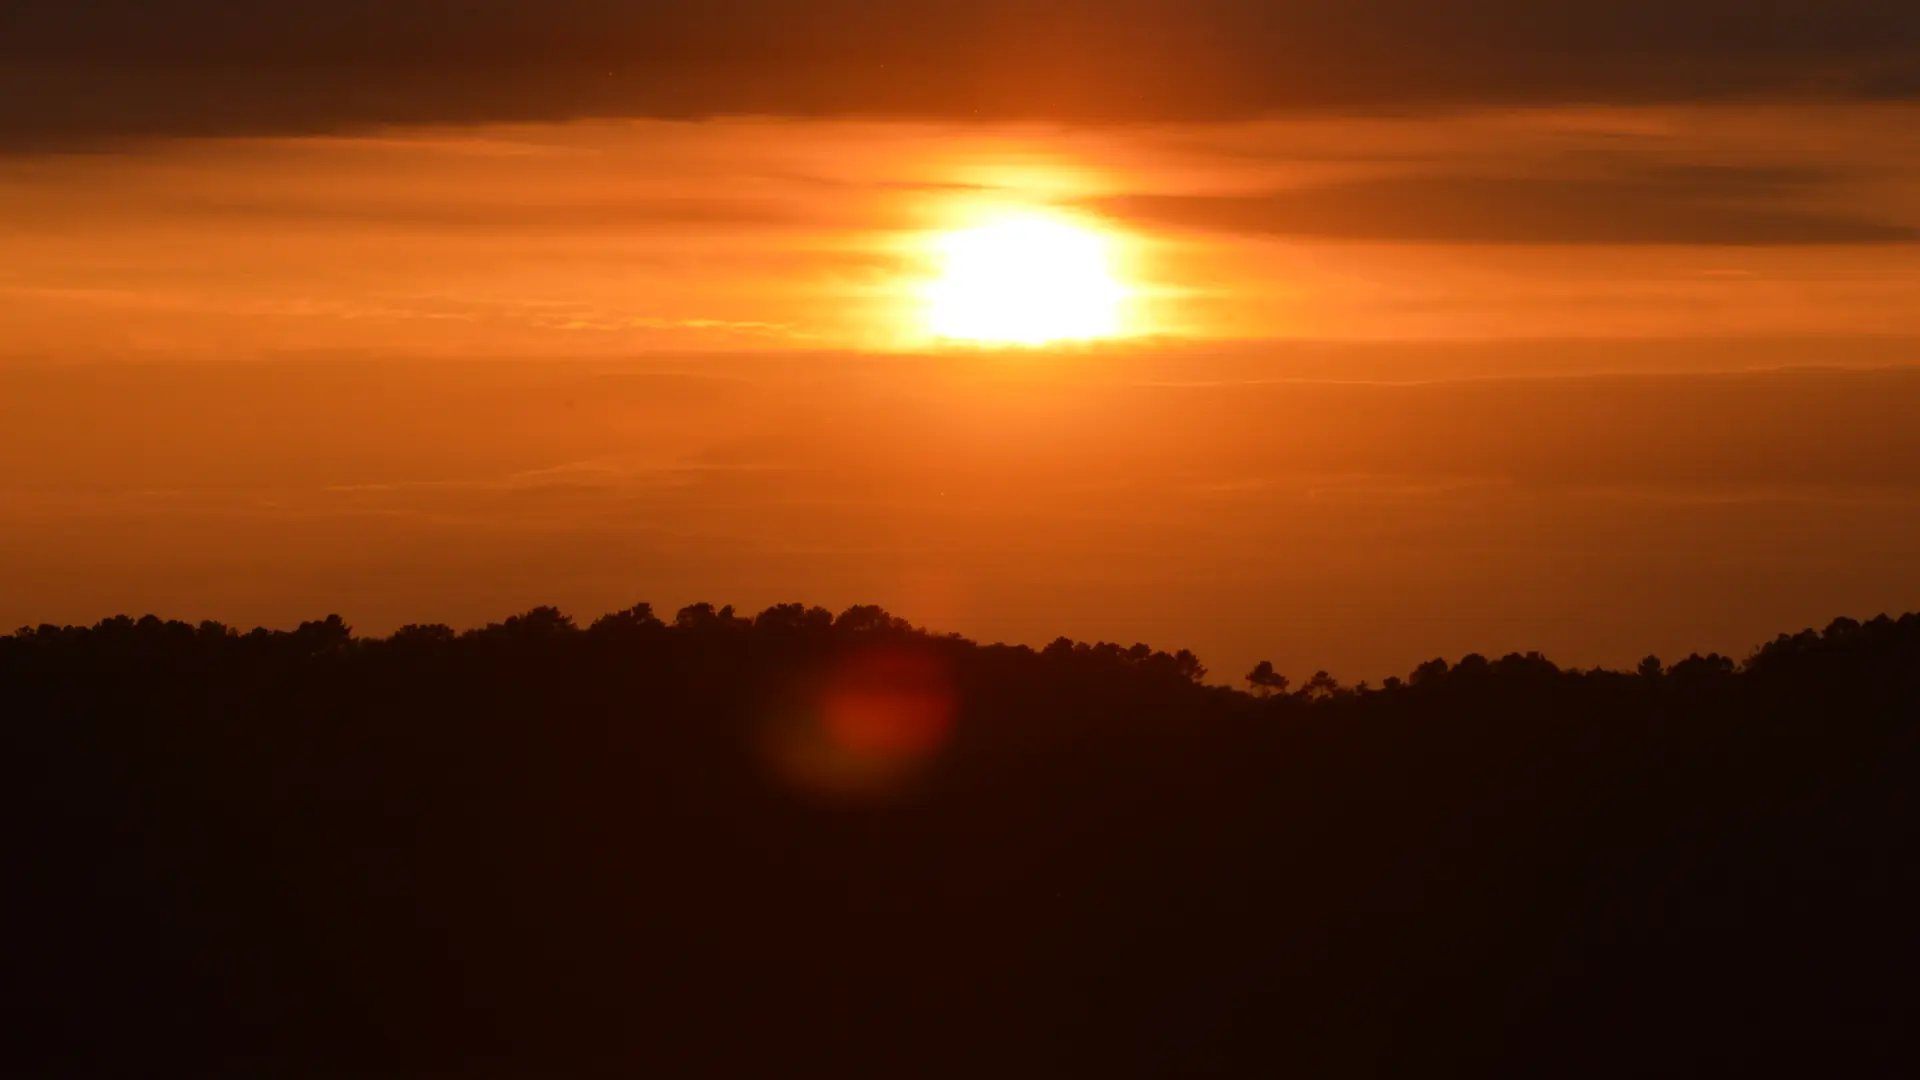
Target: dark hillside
[802,844]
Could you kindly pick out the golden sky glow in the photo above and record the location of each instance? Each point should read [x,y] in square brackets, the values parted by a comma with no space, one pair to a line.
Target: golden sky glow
[620,238]
[592,362]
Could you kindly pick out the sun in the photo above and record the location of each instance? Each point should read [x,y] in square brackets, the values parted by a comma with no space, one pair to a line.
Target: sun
[1025,280]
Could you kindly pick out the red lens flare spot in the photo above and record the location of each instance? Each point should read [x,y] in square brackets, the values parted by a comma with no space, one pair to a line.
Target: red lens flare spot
[892,703]
[868,725]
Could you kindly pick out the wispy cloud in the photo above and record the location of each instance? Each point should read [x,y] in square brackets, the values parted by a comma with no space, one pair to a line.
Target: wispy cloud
[1698,204]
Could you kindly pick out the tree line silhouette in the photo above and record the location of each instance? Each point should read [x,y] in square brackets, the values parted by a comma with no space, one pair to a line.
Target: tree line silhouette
[810,842]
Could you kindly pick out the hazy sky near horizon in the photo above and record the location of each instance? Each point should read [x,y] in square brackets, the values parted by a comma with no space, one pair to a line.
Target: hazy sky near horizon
[1445,326]
[1359,527]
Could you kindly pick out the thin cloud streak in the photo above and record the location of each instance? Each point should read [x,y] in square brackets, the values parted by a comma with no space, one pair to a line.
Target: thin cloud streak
[1703,207]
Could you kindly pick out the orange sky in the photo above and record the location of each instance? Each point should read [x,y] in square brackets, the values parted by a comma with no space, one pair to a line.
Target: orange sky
[1358,423]
[605,238]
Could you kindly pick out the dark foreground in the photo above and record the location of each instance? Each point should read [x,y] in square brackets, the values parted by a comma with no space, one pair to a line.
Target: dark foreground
[790,846]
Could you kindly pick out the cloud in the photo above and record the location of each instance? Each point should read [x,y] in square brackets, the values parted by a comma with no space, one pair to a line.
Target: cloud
[1709,204]
[461,212]
[82,70]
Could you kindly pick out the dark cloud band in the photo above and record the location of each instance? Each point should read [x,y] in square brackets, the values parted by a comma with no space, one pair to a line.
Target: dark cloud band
[1715,205]
[86,69]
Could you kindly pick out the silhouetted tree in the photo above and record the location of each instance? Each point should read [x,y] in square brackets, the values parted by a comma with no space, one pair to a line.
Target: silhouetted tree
[867,619]
[1189,666]
[703,618]
[695,617]
[1431,673]
[1698,667]
[794,619]
[638,619]
[428,634]
[540,622]
[1267,682]
[1321,686]
[1473,667]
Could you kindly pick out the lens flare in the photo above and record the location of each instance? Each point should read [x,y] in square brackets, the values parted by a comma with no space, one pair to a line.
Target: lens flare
[869,726]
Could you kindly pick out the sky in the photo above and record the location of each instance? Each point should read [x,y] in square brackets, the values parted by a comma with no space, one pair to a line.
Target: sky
[1585,327]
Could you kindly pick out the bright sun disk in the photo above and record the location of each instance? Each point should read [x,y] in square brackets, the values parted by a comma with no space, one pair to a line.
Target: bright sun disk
[1025,281]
